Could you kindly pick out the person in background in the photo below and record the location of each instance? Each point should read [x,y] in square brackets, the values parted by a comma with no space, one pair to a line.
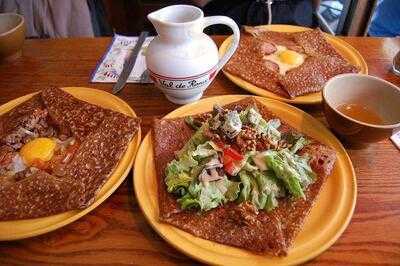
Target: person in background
[256,12]
[59,19]
[386,20]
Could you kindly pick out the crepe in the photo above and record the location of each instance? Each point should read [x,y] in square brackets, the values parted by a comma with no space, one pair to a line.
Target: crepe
[314,44]
[39,195]
[322,61]
[236,224]
[313,73]
[247,63]
[102,136]
[101,152]
[72,115]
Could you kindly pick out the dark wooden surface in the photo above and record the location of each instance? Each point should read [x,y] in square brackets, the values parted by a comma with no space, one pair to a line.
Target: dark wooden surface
[117,233]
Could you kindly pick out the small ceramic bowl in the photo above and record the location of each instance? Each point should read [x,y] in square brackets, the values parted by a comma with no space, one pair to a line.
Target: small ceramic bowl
[12,35]
[378,95]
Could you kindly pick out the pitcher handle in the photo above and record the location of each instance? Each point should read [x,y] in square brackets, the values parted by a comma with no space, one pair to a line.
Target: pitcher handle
[236,36]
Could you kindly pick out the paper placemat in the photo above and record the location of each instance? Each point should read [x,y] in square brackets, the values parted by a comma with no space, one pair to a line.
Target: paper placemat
[112,63]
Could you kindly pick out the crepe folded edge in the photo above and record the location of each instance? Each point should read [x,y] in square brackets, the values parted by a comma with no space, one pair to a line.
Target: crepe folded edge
[39,195]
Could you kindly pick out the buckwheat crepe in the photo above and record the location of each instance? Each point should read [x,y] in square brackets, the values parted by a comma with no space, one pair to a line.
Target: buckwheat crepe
[91,141]
[237,224]
[321,61]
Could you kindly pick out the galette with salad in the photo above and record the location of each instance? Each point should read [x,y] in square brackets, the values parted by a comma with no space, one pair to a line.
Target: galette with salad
[238,175]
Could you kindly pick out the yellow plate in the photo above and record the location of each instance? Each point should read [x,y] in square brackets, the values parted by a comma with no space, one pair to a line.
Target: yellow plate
[345,49]
[19,229]
[327,221]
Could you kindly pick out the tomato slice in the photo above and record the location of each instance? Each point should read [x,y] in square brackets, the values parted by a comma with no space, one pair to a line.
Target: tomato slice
[233,154]
[226,159]
[229,167]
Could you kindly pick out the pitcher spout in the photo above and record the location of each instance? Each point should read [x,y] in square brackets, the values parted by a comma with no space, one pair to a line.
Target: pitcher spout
[154,18]
[176,20]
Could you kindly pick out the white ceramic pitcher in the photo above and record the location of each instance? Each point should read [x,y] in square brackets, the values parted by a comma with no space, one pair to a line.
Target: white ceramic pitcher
[182,60]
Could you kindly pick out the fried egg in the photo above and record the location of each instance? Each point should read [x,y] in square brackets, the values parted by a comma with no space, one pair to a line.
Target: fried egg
[285,59]
[42,153]
[38,150]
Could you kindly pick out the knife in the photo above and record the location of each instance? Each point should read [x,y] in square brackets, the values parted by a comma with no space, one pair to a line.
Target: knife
[129,64]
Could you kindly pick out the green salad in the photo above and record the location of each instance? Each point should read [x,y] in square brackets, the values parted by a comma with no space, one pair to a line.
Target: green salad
[238,156]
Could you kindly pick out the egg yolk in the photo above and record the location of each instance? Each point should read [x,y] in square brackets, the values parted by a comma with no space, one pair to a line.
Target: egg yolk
[290,57]
[39,149]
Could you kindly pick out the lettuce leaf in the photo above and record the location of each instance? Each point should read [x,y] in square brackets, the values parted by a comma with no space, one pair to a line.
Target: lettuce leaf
[271,203]
[188,202]
[246,186]
[299,144]
[177,172]
[306,175]
[270,129]
[249,167]
[205,150]
[187,162]
[269,189]
[261,188]
[233,190]
[176,178]
[209,195]
[283,170]
[294,170]
[197,139]
[258,198]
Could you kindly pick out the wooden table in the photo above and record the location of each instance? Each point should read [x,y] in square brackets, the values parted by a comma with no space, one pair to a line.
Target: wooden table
[117,232]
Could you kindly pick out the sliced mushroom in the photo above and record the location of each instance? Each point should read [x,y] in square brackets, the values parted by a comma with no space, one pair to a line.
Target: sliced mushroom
[209,175]
[260,162]
[213,163]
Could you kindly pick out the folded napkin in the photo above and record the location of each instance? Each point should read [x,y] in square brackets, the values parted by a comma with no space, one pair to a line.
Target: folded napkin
[110,66]
[396,138]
